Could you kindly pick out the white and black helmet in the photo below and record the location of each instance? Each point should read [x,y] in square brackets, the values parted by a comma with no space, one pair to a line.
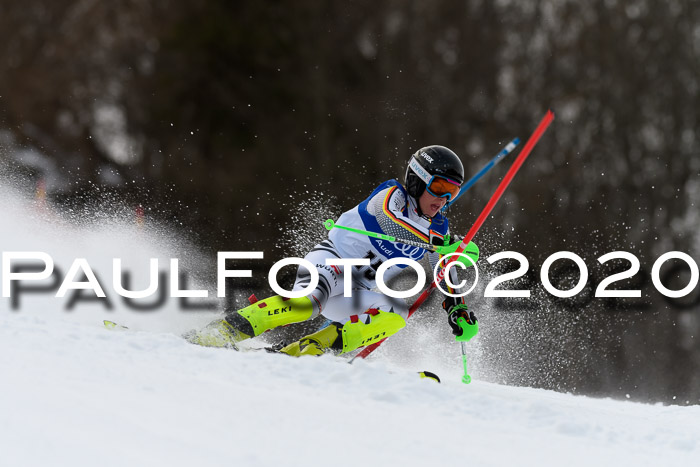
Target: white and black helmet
[429,162]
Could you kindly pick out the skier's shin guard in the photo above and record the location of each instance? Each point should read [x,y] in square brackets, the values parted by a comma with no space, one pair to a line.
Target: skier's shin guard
[366,329]
[271,313]
[370,327]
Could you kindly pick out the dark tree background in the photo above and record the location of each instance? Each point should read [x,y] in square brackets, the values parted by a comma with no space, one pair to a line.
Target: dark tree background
[220,116]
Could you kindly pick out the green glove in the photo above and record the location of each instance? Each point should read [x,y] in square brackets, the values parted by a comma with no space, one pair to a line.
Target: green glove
[471,250]
[463,322]
[469,330]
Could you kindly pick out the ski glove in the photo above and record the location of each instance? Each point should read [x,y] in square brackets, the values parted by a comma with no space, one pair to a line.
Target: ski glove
[472,250]
[463,329]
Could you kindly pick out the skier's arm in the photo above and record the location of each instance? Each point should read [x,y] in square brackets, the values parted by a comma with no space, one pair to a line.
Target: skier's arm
[455,306]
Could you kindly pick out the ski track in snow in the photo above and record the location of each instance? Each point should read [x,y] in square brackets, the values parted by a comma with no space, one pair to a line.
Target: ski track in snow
[76,394]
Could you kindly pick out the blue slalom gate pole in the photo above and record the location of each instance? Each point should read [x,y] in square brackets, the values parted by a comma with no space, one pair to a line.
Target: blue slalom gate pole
[497,158]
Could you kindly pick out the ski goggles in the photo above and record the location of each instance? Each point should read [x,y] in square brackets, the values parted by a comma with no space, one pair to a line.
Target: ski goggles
[436,185]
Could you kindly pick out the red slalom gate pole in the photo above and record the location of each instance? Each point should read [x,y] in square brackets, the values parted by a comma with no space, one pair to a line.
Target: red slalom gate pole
[531,142]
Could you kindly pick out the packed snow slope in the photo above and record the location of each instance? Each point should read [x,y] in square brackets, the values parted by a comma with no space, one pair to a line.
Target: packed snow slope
[77,395]
[73,393]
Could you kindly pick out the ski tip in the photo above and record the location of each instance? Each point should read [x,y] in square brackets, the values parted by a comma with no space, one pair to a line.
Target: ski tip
[429,375]
[112,325]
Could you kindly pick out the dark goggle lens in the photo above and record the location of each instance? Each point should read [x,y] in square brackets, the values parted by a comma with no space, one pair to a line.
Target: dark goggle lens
[441,187]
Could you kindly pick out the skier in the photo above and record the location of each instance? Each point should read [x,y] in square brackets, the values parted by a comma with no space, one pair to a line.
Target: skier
[413,212]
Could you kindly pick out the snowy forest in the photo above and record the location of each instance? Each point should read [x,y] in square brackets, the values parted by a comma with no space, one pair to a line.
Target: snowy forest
[241,124]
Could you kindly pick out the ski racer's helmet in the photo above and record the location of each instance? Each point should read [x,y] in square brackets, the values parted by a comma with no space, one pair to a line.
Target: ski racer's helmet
[437,169]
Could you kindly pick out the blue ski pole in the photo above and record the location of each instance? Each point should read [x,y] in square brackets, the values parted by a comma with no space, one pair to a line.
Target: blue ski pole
[502,153]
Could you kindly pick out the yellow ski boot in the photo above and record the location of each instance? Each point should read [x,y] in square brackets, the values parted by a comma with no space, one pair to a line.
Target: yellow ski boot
[317,343]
